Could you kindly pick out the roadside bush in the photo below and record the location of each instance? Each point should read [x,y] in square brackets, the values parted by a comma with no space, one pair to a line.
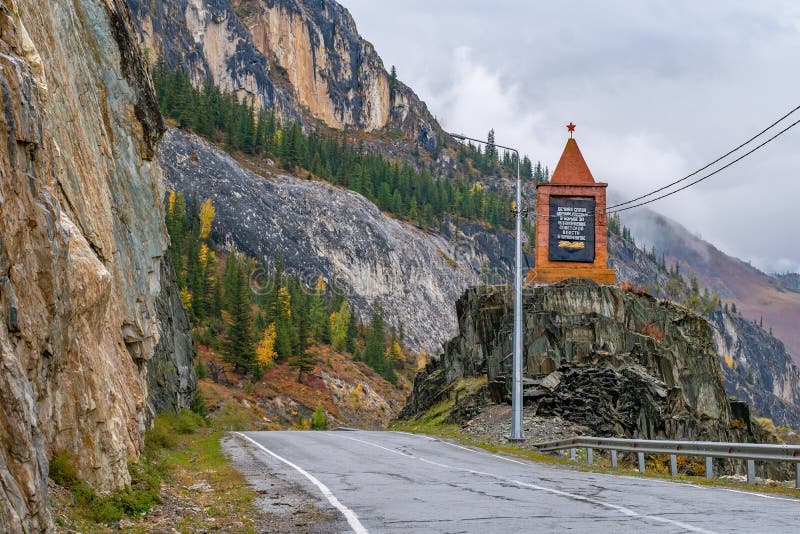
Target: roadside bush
[319,421]
[62,469]
[135,500]
[186,421]
[201,369]
[162,434]
[198,406]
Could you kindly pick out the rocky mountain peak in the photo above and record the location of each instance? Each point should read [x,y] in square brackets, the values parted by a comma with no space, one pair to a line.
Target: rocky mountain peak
[303,59]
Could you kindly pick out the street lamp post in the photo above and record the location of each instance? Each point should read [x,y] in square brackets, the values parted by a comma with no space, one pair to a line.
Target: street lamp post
[516,393]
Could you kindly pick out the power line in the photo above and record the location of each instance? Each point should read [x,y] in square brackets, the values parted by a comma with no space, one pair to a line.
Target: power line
[701,169]
[707,175]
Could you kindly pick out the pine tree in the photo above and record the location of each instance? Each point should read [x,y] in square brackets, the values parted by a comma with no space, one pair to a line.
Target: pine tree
[283,325]
[339,325]
[209,294]
[375,346]
[491,150]
[239,349]
[318,312]
[302,360]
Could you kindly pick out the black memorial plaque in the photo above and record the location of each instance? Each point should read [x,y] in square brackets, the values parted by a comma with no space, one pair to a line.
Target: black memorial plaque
[571,229]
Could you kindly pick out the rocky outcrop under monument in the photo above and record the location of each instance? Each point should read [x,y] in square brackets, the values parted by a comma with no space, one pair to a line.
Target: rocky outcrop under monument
[618,363]
[84,303]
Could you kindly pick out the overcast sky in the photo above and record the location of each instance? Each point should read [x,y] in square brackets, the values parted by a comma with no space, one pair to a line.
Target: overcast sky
[656,89]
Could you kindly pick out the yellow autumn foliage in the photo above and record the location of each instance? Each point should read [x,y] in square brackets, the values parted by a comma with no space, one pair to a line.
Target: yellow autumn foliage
[207,213]
[171,203]
[286,301]
[394,352]
[265,351]
[321,286]
[186,298]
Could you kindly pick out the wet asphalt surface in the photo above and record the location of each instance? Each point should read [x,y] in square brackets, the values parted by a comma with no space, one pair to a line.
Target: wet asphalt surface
[398,482]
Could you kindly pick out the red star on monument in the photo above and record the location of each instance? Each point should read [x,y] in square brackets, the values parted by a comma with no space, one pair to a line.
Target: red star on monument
[571,128]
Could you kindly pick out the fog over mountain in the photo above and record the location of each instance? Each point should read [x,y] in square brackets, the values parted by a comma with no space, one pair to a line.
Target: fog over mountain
[657,90]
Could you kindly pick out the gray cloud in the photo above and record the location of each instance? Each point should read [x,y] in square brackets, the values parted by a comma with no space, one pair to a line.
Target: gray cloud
[657,89]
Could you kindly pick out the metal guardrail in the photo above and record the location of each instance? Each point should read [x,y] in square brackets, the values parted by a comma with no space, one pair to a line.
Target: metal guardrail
[751,452]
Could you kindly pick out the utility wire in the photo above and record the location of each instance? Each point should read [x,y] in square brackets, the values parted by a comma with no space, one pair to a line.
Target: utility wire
[701,169]
[707,175]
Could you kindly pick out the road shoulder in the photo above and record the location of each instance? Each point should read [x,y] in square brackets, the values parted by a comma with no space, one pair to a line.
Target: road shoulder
[284,505]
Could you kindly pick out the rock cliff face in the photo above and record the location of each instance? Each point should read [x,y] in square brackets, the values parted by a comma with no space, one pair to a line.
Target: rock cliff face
[618,363]
[324,230]
[207,39]
[82,245]
[302,58]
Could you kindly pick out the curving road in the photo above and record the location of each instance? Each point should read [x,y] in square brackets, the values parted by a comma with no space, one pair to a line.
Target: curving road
[398,482]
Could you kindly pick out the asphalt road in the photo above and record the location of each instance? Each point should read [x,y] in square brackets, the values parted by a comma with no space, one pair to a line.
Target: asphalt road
[398,482]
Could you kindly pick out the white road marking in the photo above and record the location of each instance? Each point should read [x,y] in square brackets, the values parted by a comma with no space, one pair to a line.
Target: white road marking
[697,486]
[754,494]
[352,518]
[621,509]
[415,435]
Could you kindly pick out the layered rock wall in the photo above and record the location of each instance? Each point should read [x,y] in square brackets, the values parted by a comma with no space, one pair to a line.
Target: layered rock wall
[82,249]
[757,368]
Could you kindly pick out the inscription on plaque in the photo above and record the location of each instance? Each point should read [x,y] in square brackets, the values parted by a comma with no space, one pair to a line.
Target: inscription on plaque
[571,229]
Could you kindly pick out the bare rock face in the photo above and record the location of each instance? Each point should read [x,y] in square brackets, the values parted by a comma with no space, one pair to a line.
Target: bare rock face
[615,362]
[304,59]
[82,245]
[757,368]
[208,40]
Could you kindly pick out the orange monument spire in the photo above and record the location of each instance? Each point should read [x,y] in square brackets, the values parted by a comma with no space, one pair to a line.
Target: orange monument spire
[572,168]
[571,234]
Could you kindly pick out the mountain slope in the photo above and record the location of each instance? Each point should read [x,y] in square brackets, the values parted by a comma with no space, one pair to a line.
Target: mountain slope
[322,230]
[755,365]
[790,281]
[756,294]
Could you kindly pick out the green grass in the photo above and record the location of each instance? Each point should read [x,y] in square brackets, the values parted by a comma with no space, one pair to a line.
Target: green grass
[435,416]
[146,474]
